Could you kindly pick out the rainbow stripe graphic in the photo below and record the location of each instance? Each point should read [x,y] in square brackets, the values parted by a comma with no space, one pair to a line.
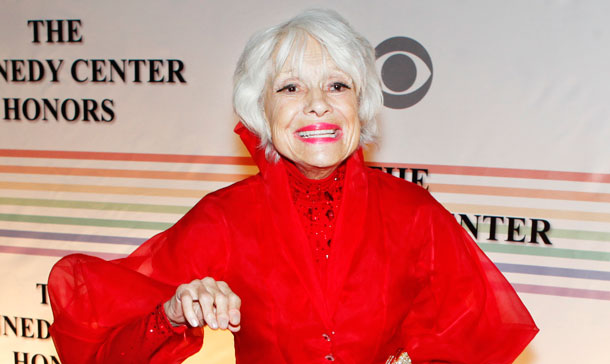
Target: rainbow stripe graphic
[53,203]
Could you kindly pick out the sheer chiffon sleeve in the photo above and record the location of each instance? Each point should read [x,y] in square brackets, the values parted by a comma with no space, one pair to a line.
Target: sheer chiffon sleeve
[109,311]
[466,312]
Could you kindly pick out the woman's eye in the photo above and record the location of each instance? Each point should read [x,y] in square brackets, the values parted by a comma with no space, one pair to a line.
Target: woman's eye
[339,86]
[288,88]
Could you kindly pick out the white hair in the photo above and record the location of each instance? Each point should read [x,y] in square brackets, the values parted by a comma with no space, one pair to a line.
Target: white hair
[351,52]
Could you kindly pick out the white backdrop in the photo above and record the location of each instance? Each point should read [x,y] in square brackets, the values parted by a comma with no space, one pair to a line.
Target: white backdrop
[515,124]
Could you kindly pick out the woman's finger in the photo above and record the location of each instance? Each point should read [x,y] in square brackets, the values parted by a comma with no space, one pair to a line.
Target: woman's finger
[198,313]
[234,310]
[222,309]
[206,301]
[234,304]
[186,301]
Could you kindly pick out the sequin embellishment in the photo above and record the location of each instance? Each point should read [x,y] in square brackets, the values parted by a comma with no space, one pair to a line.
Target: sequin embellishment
[317,203]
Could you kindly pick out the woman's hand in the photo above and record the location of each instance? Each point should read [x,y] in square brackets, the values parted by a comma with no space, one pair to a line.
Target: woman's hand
[205,301]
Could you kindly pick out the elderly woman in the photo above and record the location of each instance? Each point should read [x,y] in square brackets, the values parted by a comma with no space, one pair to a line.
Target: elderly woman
[316,258]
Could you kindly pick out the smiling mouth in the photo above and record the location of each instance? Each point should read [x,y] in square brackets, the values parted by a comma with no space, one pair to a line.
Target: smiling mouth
[325,133]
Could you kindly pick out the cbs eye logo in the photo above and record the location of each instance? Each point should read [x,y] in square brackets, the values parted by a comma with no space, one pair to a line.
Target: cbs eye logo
[406,71]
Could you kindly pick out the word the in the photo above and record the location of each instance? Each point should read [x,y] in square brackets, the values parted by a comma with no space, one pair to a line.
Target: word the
[417,174]
[57,30]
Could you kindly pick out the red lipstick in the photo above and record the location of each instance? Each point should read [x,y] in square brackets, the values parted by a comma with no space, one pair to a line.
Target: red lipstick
[319,133]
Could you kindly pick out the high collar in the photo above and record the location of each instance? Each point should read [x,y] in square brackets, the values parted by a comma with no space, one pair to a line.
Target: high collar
[253,144]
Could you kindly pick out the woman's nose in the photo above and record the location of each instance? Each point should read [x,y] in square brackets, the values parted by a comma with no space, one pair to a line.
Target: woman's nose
[317,103]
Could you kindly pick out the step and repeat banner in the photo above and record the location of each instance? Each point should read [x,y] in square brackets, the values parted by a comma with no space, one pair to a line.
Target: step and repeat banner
[116,118]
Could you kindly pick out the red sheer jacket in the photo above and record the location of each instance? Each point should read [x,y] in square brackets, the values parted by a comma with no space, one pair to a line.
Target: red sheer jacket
[400,273]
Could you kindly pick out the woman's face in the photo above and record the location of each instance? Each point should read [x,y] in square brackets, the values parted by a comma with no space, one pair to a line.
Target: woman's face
[313,113]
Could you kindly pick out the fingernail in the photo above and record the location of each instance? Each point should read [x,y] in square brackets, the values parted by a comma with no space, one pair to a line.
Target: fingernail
[235,318]
[194,323]
[223,322]
[211,320]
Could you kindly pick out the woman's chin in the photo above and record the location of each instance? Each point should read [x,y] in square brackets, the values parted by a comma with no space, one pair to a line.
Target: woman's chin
[319,167]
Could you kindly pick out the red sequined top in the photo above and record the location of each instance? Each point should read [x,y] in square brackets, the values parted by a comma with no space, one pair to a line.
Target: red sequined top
[317,203]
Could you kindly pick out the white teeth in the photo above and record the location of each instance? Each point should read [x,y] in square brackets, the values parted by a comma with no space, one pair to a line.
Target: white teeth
[332,133]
